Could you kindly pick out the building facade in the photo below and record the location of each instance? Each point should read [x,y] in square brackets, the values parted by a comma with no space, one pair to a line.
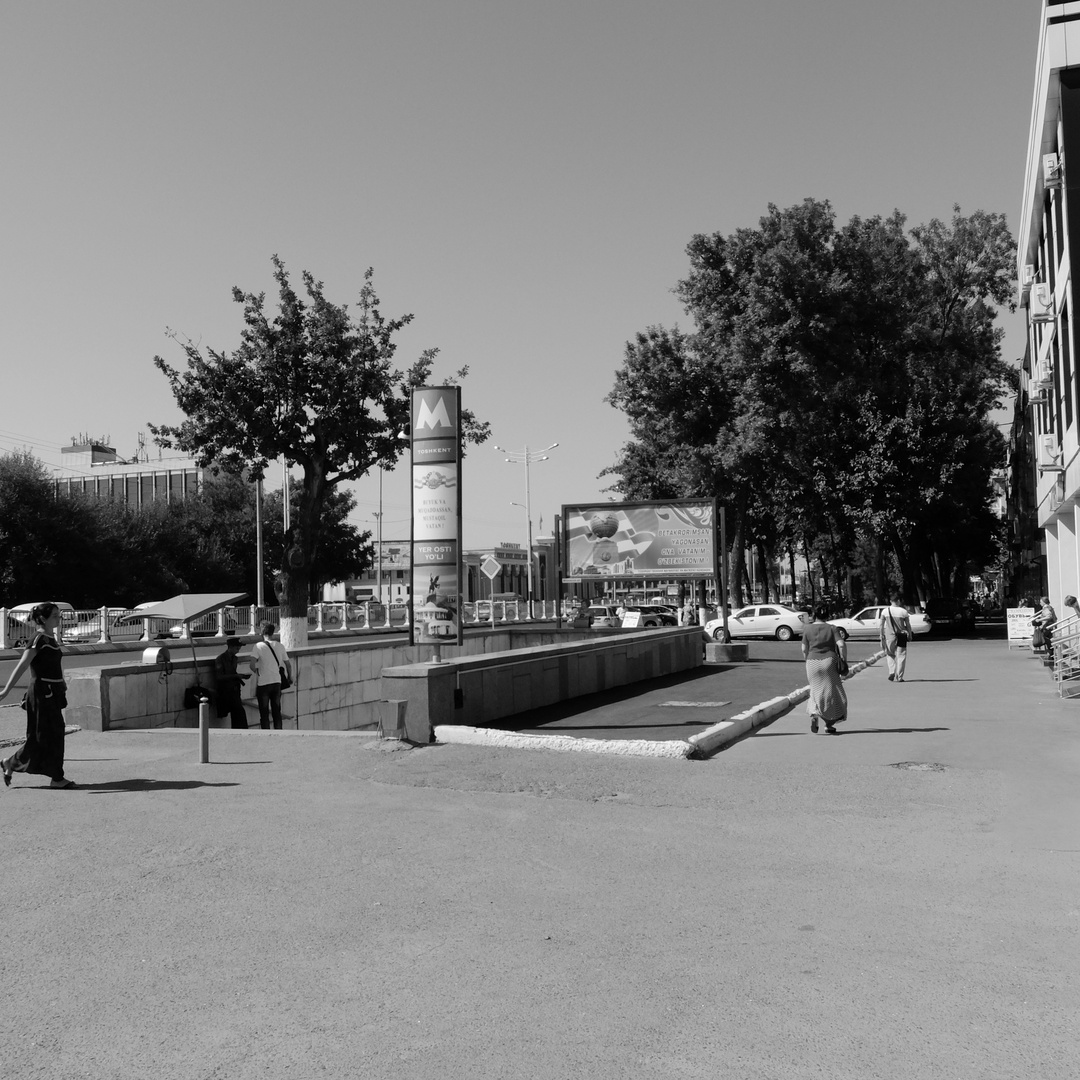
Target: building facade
[94,470]
[1050,391]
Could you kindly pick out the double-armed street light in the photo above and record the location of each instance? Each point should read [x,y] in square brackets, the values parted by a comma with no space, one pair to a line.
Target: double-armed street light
[526,457]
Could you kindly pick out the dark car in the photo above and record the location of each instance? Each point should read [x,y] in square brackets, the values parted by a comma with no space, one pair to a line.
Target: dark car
[950,613]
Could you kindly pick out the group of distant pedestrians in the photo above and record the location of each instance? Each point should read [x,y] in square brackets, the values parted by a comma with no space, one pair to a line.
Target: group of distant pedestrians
[42,751]
[824,650]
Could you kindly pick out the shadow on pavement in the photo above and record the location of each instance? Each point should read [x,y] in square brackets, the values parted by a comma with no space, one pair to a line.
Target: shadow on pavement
[143,784]
[537,718]
[888,730]
[614,727]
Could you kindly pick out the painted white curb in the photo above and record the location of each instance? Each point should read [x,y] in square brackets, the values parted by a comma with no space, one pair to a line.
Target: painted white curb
[449,733]
[712,739]
[700,745]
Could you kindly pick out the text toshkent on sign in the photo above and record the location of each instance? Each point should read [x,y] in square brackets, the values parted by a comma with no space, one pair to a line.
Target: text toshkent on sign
[436,516]
[675,539]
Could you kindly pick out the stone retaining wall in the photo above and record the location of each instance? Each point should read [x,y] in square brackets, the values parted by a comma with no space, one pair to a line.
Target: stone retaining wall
[481,689]
[337,684]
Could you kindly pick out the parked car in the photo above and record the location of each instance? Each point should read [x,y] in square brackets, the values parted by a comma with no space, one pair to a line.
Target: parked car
[603,615]
[950,612]
[206,625]
[655,614]
[20,630]
[865,625]
[760,620]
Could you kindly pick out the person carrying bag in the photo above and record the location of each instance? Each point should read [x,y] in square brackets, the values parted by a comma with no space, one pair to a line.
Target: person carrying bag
[895,630]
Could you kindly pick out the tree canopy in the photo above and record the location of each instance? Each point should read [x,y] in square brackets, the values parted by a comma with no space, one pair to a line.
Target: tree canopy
[91,552]
[835,389]
[313,385]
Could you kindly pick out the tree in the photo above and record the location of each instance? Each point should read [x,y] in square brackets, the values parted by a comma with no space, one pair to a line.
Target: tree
[836,385]
[312,385]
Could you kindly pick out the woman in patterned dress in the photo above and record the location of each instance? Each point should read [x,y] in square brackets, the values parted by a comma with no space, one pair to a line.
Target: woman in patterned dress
[822,647]
[46,696]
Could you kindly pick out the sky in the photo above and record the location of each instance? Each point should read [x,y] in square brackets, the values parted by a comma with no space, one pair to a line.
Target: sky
[522,175]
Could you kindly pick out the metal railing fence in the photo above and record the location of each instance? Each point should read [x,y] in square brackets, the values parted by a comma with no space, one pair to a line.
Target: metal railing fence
[107,624]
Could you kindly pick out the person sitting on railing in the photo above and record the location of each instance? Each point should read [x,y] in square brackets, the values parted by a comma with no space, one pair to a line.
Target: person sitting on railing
[1044,621]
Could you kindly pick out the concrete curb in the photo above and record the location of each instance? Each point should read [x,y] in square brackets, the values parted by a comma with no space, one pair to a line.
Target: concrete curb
[701,745]
[449,733]
[719,735]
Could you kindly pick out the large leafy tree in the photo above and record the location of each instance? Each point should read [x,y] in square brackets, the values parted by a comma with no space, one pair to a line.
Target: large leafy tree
[836,386]
[314,385]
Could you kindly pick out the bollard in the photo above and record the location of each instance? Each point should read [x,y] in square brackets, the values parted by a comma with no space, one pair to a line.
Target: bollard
[204,730]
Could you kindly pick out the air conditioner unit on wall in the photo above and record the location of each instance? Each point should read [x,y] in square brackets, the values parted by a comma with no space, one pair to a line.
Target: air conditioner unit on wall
[1051,171]
[1042,303]
[1042,377]
[1048,454]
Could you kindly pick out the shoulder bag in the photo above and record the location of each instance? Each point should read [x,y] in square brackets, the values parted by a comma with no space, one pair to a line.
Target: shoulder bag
[286,682]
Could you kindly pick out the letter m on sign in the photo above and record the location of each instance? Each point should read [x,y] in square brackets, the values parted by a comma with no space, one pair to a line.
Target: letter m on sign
[434,412]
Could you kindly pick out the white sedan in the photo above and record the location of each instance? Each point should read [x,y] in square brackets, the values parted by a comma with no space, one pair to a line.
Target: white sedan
[762,620]
[867,624]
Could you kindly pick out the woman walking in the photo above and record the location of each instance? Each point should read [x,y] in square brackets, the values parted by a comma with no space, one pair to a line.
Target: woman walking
[825,652]
[43,751]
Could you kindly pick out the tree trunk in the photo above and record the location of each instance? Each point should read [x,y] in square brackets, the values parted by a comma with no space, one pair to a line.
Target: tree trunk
[735,575]
[301,545]
[881,588]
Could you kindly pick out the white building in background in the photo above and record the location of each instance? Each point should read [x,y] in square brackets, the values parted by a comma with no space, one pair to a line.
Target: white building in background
[1049,221]
[96,471]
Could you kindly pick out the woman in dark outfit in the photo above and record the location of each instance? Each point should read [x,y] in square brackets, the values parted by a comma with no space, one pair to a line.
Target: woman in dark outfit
[822,647]
[43,751]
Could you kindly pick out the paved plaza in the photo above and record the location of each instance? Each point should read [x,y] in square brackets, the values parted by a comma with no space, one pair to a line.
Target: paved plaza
[900,901]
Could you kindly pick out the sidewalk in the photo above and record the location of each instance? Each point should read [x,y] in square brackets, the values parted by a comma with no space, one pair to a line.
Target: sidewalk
[314,905]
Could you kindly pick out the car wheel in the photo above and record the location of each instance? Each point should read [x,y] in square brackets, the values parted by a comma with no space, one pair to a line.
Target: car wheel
[842,632]
[718,634]
[784,633]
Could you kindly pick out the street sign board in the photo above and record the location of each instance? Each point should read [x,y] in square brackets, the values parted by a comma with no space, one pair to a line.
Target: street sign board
[491,567]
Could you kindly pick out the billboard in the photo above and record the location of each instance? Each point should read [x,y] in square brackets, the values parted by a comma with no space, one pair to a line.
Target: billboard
[676,538]
[436,516]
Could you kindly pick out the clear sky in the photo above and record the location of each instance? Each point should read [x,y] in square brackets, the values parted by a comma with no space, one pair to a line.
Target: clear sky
[523,175]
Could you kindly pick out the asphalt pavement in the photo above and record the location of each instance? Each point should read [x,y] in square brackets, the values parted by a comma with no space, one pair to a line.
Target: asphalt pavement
[897,902]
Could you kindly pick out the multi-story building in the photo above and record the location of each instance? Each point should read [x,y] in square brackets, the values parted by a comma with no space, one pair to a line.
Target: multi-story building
[1049,222]
[94,470]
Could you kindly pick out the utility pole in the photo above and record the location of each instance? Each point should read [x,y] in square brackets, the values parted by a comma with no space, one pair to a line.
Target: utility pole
[526,457]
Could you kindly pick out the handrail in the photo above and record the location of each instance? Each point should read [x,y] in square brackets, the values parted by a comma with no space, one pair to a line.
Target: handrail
[1065,649]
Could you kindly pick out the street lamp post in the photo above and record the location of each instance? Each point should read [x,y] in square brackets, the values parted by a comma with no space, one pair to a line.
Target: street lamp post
[378,543]
[526,457]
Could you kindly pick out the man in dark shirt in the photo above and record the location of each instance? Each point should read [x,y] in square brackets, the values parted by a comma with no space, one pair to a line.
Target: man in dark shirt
[229,683]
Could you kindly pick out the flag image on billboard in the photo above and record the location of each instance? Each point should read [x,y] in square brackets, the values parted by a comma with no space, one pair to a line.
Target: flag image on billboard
[436,516]
[674,538]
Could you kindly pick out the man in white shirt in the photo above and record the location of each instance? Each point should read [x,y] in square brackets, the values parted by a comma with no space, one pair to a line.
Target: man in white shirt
[895,629]
[268,658]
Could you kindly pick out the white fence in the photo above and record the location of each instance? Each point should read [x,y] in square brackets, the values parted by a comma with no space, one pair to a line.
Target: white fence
[106,624]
